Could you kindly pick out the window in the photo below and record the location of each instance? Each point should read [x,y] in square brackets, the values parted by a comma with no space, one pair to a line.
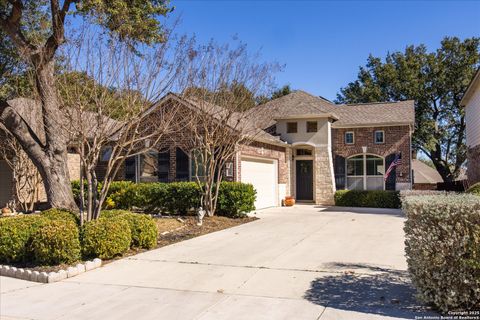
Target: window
[182,172]
[304,152]
[312,126]
[379,136]
[106,153]
[163,166]
[130,169]
[365,172]
[349,137]
[229,169]
[291,127]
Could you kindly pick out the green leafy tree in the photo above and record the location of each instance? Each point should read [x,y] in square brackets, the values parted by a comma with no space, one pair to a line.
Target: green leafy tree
[35,30]
[436,81]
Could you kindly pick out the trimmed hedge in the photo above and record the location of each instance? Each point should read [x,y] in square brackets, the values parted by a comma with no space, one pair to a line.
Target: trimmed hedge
[106,238]
[443,249]
[367,198]
[143,228]
[16,236]
[56,242]
[60,214]
[234,198]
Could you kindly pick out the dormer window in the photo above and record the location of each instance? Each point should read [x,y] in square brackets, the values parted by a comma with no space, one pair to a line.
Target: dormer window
[291,127]
[349,137]
[312,126]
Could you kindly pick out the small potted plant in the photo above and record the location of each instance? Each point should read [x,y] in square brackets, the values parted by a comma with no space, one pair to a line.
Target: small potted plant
[289,201]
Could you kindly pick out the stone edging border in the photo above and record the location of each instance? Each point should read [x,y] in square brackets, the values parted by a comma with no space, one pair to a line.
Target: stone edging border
[50,277]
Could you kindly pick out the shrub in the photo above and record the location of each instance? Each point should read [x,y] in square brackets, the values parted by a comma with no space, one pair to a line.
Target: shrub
[143,228]
[55,242]
[16,236]
[235,199]
[76,189]
[60,214]
[123,195]
[475,189]
[443,249]
[367,198]
[181,197]
[106,238]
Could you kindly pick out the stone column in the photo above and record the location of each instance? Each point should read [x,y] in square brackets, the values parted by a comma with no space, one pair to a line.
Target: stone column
[323,177]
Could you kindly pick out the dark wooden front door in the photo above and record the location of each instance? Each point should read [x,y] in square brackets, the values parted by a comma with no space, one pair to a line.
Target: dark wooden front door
[304,173]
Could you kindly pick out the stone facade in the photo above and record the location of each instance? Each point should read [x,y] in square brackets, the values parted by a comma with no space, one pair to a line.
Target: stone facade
[396,139]
[324,188]
[473,171]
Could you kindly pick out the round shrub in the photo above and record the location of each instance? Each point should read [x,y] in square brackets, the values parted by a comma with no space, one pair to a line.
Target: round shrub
[143,227]
[60,214]
[56,242]
[235,199]
[106,238]
[16,235]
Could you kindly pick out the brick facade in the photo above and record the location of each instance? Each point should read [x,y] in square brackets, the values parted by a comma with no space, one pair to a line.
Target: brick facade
[473,171]
[397,139]
[267,151]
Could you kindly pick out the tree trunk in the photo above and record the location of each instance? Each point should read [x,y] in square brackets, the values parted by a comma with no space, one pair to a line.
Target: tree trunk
[50,157]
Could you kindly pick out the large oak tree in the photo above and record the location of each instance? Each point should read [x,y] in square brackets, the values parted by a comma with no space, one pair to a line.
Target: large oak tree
[436,81]
[36,29]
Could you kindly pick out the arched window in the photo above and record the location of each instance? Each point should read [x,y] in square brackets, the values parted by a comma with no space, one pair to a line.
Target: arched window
[365,172]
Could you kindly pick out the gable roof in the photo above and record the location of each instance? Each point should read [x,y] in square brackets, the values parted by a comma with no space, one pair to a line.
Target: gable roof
[235,120]
[298,104]
[474,85]
[381,113]
[301,105]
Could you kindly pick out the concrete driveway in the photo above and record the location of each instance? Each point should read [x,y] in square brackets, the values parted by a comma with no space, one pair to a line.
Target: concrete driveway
[303,262]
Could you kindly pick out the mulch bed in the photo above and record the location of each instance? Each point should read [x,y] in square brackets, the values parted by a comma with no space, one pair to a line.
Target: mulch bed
[174,229]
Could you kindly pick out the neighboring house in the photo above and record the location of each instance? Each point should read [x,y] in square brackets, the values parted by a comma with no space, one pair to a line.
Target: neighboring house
[424,176]
[471,102]
[304,146]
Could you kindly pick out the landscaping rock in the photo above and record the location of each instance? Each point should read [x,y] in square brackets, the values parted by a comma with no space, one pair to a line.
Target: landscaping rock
[89,265]
[71,272]
[53,277]
[81,268]
[35,276]
[42,277]
[97,262]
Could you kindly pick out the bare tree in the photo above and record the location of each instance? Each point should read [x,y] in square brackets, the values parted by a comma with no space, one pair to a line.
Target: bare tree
[26,178]
[222,83]
[112,106]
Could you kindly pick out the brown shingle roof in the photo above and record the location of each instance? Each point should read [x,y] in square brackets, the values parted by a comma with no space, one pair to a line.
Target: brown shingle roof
[296,104]
[302,104]
[386,113]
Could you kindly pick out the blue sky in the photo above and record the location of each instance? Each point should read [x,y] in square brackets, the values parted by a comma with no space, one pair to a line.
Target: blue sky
[322,43]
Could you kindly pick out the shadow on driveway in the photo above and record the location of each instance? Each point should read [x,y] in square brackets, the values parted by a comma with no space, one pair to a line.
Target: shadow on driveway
[384,211]
[388,293]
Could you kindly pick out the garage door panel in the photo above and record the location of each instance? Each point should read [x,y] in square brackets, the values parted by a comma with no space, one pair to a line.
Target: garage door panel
[262,174]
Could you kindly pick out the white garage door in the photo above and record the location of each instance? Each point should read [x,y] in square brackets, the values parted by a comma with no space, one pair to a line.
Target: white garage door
[5,183]
[263,175]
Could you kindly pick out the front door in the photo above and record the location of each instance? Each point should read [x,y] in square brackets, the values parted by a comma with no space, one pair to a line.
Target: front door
[304,173]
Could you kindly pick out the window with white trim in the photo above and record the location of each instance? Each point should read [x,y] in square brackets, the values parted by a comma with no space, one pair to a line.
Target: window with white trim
[365,172]
[349,137]
[379,136]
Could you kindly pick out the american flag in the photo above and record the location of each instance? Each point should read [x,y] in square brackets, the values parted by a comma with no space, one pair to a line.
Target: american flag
[395,162]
